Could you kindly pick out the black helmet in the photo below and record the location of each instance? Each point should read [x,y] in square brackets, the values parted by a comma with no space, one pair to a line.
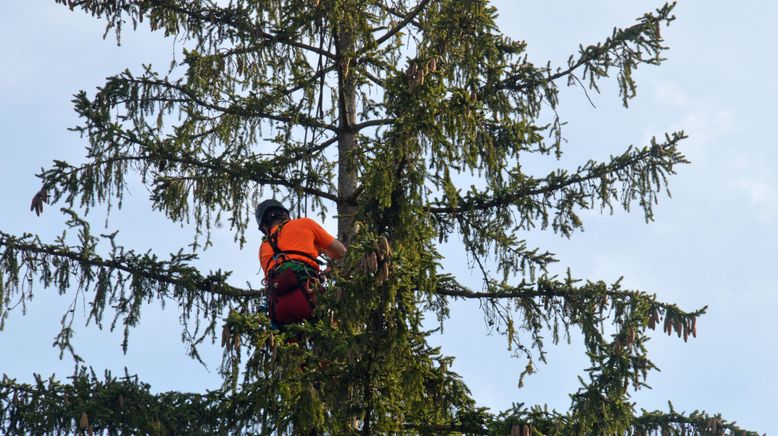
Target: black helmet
[266,205]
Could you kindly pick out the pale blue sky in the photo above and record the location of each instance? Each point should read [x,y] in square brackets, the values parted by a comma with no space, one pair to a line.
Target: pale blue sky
[712,243]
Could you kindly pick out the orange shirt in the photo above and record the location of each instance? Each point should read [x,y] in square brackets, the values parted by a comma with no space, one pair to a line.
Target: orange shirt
[302,234]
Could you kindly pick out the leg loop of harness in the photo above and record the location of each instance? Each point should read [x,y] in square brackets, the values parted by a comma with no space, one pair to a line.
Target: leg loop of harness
[293,289]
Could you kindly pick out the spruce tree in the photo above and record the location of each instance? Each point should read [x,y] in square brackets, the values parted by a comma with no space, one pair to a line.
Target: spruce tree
[411,123]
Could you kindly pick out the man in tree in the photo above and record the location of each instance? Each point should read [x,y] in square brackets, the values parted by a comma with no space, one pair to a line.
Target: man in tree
[288,256]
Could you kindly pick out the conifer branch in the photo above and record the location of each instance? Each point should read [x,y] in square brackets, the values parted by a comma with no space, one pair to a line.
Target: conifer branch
[654,160]
[447,429]
[196,18]
[398,14]
[244,171]
[242,107]
[319,147]
[408,18]
[546,288]
[553,305]
[122,281]
[596,59]
[62,175]
[168,273]
[113,405]
[371,123]
[375,79]
[519,82]
[680,423]
[539,420]
[322,72]
[231,18]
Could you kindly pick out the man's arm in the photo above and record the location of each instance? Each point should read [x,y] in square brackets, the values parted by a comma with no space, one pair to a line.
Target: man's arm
[336,250]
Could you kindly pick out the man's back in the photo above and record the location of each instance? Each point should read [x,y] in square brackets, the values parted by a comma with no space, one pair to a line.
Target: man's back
[302,235]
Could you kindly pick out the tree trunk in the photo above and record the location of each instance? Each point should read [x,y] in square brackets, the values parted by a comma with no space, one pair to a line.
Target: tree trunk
[347,170]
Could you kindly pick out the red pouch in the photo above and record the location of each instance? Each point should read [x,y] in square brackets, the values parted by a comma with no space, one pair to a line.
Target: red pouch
[284,282]
[291,307]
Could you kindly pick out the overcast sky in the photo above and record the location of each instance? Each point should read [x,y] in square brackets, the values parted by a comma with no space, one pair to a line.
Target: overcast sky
[711,244]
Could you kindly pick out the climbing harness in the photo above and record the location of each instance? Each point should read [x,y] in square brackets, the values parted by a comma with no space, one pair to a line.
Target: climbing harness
[292,285]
